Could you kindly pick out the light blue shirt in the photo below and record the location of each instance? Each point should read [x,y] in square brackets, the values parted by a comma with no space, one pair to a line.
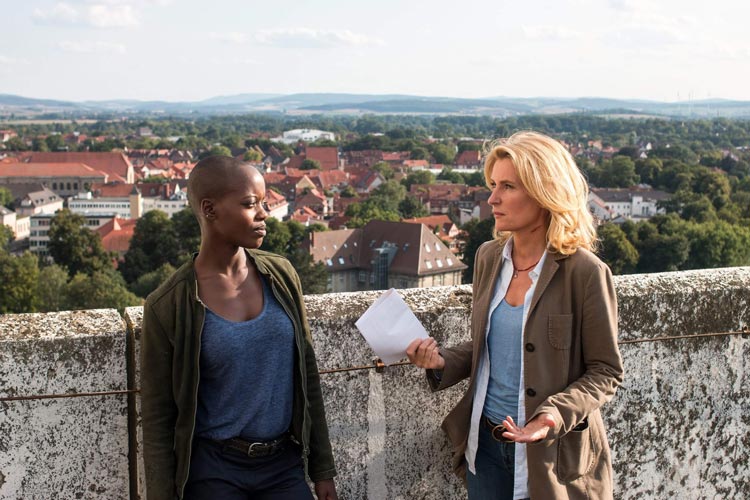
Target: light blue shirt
[505,362]
[521,474]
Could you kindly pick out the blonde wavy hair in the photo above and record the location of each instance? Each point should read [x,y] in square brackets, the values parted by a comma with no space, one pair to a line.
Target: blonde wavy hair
[551,177]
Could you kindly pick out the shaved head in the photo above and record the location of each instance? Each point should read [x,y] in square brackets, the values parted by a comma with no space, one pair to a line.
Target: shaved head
[214,177]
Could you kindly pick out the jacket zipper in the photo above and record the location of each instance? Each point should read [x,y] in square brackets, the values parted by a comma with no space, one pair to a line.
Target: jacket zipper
[195,394]
[297,328]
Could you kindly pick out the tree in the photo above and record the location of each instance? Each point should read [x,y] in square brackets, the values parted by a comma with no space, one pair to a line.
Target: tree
[419,153]
[348,192]
[103,289]
[617,252]
[450,175]
[253,155]
[308,164]
[6,198]
[418,177]
[277,237]
[187,230]
[619,172]
[154,244]
[384,169]
[51,288]
[216,151]
[55,142]
[718,244]
[388,195]
[74,246]
[18,279]
[150,281]
[410,207]
[6,237]
[16,144]
[662,253]
[476,232]
[442,153]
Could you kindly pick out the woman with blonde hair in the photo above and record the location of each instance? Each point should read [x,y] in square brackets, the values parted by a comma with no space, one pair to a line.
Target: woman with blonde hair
[543,356]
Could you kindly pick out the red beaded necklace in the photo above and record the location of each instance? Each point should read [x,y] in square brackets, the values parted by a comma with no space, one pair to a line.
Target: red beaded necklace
[516,270]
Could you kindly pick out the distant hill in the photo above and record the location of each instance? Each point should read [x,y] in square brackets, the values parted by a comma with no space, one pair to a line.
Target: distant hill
[322,103]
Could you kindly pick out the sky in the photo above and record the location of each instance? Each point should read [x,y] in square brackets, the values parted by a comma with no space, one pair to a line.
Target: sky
[189,50]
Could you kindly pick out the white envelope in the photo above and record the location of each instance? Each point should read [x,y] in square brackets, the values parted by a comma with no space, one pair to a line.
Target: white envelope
[389,326]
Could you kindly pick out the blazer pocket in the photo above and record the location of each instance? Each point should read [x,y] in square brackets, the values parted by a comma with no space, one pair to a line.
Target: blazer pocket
[575,453]
[560,330]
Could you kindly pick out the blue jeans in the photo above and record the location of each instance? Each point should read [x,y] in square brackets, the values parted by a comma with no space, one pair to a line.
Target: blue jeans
[218,472]
[494,463]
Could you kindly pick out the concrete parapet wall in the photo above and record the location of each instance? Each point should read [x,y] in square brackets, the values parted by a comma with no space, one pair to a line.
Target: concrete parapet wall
[68,447]
[678,426]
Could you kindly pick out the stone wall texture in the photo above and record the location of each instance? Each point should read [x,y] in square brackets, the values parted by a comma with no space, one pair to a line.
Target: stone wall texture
[678,426]
[67,447]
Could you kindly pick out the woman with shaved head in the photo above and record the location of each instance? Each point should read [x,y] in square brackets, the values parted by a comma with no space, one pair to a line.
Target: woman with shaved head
[232,406]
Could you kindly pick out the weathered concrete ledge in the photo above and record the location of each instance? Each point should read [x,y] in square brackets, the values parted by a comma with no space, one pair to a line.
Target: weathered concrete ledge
[678,426]
[69,447]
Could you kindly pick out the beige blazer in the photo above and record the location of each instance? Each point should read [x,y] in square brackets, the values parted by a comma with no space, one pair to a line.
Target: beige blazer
[572,366]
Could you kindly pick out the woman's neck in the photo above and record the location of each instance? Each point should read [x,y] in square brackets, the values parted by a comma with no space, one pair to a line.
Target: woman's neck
[529,245]
[227,260]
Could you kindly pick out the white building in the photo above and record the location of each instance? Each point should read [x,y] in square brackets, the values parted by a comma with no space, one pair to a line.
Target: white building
[175,203]
[40,224]
[304,134]
[609,203]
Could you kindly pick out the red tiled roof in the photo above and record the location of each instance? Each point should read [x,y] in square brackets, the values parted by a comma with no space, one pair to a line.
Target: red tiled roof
[328,157]
[111,190]
[295,161]
[468,158]
[49,170]
[116,234]
[333,178]
[115,165]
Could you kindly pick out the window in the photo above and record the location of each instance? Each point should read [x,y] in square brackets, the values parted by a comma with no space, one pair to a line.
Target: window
[439,262]
[427,248]
[437,246]
[341,261]
[329,262]
[449,261]
[428,264]
[362,277]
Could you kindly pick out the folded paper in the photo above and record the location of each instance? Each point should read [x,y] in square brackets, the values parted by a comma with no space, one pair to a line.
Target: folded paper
[389,326]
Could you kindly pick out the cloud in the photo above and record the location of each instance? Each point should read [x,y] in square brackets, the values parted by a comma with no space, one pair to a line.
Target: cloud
[550,33]
[102,14]
[311,38]
[230,37]
[95,47]
[62,13]
[112,16]
[10,61]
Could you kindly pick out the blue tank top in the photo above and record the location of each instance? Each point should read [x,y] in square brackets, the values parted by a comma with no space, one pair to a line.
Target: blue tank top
[246,374]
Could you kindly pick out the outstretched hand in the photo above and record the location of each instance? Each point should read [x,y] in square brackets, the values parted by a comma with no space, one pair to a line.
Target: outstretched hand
[536,430]
[424,353]
[325,490]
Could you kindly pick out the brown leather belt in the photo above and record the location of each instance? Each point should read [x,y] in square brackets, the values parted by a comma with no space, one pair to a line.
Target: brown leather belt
[255,449]
[496,430]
